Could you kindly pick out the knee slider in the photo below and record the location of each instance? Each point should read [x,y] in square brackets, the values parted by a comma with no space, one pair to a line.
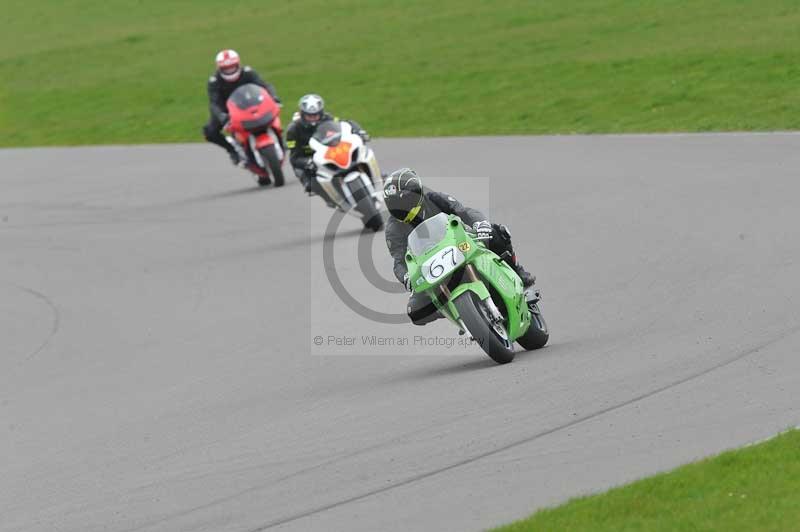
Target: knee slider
[422,315]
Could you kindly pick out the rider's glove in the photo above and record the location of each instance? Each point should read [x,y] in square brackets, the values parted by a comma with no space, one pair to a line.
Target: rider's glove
[407,282]
[364,135]
[483,230]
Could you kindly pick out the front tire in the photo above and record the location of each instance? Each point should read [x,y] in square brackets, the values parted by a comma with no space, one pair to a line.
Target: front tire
[469,309]
[537,334]
[270,156]
[365,205]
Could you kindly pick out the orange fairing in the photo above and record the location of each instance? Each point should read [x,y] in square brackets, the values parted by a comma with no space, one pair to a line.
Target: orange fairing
[339,154]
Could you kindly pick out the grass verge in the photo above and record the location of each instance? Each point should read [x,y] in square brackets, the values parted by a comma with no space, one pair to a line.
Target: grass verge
[131,71]
[753,488]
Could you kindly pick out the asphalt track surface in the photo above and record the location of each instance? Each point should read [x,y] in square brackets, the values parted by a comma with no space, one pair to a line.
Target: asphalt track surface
[157,316]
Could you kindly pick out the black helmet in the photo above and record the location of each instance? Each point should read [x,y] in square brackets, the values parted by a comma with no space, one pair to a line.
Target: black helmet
[403,196]
[311,108]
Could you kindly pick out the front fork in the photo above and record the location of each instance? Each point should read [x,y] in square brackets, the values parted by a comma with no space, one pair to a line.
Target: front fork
[344,199]
[445,293]
[276,141]
[237,147]
[472,276]
[469,275]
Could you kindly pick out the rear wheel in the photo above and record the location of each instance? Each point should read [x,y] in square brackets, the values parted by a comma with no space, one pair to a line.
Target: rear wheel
[365,205]
[270,156]
[492,337]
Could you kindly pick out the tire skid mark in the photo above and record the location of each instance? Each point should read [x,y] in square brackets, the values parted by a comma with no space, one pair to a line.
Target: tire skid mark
[56,318]
[589,417]
[287,476]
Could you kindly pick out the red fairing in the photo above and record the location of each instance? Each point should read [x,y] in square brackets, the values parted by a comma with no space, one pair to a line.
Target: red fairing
[237,116]
[264,140]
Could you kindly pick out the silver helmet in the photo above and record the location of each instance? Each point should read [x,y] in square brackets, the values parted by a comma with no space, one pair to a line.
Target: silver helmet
[311,108]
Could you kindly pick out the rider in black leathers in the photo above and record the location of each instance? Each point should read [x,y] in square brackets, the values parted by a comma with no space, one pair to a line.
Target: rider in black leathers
[228,77]
[410,204]
[310,114]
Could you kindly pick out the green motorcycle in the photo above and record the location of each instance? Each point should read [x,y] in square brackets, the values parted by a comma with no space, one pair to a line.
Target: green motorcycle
[474,287]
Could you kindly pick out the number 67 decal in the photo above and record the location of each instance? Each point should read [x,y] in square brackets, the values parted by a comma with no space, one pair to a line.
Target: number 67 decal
[442,263]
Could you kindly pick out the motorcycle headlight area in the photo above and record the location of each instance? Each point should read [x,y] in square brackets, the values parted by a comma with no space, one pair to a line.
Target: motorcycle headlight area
[442,263]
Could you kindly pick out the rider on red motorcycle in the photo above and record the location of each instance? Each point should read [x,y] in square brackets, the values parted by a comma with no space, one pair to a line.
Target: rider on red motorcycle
[255,132]
[229,76]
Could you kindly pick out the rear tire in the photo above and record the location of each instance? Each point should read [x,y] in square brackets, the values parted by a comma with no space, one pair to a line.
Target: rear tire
[493,345]
[537,334]
[270,156]
[365,205]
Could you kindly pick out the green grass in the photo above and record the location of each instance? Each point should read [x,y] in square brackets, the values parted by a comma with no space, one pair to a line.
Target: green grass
[127,71]
[754,488]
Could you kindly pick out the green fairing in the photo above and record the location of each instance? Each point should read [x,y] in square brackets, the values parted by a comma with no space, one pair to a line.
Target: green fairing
[508,285]
[491,269]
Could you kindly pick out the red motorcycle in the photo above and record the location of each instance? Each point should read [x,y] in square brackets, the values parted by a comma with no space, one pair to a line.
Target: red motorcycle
[255,132]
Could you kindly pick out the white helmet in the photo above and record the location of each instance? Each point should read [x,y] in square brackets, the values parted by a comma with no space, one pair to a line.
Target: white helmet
[228,65]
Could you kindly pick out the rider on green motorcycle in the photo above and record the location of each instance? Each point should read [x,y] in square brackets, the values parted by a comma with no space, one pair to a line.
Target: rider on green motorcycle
[410,204]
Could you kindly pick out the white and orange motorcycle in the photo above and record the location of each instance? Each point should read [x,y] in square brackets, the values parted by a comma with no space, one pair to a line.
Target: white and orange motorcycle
[348,172]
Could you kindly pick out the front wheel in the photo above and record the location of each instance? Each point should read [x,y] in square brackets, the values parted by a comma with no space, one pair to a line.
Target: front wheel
[493,339]
[270,156]
[365,205]
[537,334]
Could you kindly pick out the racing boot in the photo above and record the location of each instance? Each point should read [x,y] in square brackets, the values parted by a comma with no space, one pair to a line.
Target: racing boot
[502,240]
[306,184]
[313,188]
[527,277]
[235,159]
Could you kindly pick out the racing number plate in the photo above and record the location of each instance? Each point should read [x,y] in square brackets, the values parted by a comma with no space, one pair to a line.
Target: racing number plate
[442,263]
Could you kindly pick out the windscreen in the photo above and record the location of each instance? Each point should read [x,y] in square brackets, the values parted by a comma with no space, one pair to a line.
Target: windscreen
[247,96]
[427,234]
[329,132]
